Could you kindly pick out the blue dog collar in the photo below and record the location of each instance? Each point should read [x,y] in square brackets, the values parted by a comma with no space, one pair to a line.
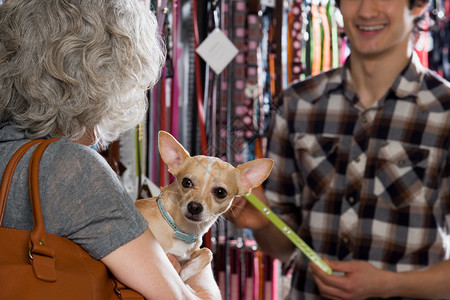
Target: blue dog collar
[179,234]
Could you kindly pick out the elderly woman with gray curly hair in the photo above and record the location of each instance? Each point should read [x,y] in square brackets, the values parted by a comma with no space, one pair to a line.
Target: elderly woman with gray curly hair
[78,70]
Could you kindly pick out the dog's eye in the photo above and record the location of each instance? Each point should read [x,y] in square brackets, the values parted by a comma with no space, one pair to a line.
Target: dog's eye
[220,192]
[187,183]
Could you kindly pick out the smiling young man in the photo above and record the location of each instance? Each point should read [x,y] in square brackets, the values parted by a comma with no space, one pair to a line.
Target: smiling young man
[380,34]
[362,167]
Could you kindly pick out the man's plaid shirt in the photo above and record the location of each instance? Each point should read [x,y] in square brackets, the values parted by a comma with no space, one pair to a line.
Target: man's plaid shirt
[361,183]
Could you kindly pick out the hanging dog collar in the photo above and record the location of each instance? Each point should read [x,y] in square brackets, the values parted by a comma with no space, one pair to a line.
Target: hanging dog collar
[179,233]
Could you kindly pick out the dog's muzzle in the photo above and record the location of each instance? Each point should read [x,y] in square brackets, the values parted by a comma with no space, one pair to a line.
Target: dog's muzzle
[194,210]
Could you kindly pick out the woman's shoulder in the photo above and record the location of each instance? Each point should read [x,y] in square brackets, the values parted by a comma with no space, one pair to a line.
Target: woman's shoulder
[75,158]
[65,148]
[79,172]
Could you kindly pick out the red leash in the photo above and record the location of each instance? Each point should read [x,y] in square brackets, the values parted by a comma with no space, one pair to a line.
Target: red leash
[174,127]
[198,84]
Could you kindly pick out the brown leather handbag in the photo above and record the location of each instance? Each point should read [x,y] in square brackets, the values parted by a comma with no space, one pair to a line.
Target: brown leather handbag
[39,265]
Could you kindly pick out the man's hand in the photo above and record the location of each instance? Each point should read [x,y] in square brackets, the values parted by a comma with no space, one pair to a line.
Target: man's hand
[360,280]
[244,215]
[269,238]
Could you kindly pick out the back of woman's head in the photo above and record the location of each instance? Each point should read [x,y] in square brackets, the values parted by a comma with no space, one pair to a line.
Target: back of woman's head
[69,65]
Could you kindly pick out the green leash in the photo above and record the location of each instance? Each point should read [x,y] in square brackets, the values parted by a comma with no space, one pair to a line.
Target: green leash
[289,233]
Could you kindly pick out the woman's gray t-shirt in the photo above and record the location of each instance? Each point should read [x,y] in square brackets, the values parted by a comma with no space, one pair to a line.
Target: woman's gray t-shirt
[82,198]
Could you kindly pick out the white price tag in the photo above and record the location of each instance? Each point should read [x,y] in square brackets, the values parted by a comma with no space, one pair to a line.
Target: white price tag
[217,50]
[269,3]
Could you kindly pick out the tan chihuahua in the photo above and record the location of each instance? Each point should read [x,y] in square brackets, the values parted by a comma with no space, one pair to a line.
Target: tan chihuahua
[203,189]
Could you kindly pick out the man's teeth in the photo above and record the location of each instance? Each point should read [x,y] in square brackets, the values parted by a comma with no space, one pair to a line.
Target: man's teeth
[368,28]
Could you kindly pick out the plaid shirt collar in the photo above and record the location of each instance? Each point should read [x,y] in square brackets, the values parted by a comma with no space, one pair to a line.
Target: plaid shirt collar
[407,84]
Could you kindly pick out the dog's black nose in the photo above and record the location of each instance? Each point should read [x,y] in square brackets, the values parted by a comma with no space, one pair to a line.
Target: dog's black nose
[195,208]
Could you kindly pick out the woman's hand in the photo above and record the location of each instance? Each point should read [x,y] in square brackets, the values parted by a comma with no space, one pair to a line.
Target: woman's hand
[204,284]
[175,263]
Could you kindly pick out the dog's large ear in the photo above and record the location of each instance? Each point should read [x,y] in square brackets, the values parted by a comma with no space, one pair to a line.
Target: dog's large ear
[171,151]
[253,173]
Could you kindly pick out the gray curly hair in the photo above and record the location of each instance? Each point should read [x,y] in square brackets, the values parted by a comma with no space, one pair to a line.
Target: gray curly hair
[70,65]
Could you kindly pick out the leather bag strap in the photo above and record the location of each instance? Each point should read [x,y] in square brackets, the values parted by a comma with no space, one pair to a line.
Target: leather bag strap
[8,174]
[41,253]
